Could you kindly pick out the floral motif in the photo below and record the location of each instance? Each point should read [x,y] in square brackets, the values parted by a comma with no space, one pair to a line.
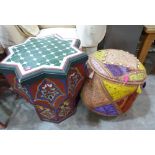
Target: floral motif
[65,109]
[48,91]
[22,89]
[46,112]
[74,79]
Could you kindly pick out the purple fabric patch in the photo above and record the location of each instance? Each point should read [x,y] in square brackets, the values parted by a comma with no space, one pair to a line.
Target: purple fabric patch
[107,110]
[117,70]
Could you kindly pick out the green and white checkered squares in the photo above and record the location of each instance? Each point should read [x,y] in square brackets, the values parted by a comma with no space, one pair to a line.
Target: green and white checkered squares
[36,52]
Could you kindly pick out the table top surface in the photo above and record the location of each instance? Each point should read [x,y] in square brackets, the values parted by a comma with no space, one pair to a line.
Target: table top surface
[50,52]
[41,51]
[149,28]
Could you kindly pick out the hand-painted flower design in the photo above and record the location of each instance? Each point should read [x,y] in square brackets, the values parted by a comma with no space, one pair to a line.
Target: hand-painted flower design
[48,91]
[65,109]
[45,113]
[74,79]
[22,89]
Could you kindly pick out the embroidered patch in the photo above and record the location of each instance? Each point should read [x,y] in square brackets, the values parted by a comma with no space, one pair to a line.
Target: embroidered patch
[100,55]
[136,76]
[107,110]
[98,67]
[117,70]
[117,90]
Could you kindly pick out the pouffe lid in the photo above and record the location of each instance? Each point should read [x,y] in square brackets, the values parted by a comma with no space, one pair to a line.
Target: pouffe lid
[118,66]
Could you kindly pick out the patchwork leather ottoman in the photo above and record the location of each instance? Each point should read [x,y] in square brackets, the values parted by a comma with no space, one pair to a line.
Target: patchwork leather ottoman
[115,79]
[49,73]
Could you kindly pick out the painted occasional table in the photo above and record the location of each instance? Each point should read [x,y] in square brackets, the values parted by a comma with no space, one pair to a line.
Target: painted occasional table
[48,72]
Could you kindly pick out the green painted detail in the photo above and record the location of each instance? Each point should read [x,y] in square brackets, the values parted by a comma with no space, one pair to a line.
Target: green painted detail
[41,51]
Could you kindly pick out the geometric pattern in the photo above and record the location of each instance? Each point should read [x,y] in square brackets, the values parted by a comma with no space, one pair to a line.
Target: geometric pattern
[41,51]
[49,55]
[47,90]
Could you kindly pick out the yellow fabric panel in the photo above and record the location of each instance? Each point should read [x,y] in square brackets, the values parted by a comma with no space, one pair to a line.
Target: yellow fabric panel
[99,55]
[139,90]
[141,67]
[136,77]
[118,91]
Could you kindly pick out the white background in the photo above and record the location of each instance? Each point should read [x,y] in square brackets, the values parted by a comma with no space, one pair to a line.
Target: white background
[81,12]
[77,11]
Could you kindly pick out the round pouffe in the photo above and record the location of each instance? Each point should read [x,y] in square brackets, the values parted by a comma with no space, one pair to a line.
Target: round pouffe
[115,79]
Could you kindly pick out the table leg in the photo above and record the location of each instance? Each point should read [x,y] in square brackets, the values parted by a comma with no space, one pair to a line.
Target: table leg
[145,47]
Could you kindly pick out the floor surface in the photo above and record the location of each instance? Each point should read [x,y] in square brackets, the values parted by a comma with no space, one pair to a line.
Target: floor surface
[140,116]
